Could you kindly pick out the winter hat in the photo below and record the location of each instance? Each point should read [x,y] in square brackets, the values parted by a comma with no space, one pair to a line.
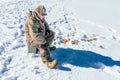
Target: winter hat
[41,9]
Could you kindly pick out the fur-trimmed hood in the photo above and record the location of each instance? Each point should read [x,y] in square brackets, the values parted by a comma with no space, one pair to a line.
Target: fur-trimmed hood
[39,9]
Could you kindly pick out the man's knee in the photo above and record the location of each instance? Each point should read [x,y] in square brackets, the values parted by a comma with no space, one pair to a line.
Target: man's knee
[52,34]
[42,52]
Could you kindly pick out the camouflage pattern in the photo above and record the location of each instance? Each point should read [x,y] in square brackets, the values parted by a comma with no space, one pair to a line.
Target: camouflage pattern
[36,29]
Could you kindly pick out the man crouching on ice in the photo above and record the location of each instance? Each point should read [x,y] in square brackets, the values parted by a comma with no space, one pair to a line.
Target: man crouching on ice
[39,35]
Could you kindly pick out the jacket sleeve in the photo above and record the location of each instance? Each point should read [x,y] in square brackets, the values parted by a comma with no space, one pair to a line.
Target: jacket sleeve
[36,35]
[47,26]
[26,29]
[26,32]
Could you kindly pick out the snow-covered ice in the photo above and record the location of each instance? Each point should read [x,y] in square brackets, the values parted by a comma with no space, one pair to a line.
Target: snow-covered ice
[93,24]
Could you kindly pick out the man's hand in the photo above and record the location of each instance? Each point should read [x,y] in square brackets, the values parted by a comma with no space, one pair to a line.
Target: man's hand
[47,35]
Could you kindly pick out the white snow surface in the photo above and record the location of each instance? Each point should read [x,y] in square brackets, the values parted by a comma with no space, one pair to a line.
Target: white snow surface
[81,20]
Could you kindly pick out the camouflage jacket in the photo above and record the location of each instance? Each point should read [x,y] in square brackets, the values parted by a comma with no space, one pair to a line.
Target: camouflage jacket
[35,30]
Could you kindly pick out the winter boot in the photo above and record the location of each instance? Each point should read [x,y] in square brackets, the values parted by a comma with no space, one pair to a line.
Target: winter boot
[49,62]
[46,59]
[52,64]
[51,47]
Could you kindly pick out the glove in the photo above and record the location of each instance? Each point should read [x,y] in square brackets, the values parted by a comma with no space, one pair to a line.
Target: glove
[49,34]
[45,45]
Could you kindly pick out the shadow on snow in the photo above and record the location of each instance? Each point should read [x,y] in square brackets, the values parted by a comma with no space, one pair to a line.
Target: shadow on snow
[82,58]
